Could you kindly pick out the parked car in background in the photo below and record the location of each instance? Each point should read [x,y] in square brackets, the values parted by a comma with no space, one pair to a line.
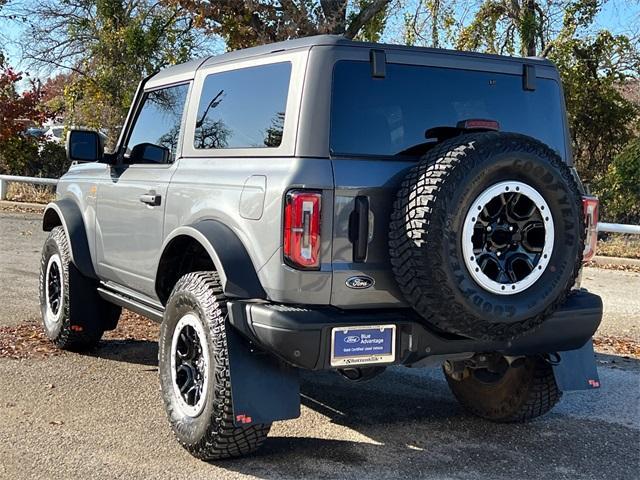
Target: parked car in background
[35,132]
[55,133]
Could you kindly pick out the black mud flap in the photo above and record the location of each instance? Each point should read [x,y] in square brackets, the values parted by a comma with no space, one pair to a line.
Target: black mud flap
[576,369]
[263,388]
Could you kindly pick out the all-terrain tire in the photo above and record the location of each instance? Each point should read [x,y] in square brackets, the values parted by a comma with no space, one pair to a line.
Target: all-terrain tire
[210,435]
[522,394]
[425,238]
[78,318]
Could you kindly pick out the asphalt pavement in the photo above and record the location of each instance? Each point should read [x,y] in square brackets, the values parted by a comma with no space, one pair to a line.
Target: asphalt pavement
[100,415]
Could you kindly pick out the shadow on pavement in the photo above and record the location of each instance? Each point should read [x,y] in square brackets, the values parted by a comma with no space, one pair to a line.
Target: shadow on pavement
[406,424]
[142,352]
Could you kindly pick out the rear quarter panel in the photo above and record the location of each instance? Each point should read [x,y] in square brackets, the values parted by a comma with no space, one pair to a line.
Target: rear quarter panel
[211,188]
[244,188]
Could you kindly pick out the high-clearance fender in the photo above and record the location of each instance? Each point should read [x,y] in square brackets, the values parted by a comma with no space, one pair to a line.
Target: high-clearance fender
[232,262]
[65,212]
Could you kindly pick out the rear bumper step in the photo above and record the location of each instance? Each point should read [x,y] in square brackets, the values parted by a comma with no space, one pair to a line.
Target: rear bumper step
[302,336]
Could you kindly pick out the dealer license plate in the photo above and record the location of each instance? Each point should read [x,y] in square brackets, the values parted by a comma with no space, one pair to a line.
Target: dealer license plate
[363,345]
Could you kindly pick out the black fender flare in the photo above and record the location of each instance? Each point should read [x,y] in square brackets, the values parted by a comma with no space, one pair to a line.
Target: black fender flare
[65,212]
[238,276]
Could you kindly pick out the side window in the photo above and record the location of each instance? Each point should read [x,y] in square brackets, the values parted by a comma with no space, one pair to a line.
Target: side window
[243,108]
[155,134]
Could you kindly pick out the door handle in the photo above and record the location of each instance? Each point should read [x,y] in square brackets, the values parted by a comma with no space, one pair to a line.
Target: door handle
[151,198]
[359,228]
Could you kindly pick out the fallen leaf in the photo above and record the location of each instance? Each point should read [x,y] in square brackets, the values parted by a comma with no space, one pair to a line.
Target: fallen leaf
[624,346]
[28,340]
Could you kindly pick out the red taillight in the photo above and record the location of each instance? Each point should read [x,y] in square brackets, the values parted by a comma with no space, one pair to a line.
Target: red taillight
[302,229]
[590,208]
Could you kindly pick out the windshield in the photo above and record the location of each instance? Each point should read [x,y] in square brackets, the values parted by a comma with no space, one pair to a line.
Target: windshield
[385,116]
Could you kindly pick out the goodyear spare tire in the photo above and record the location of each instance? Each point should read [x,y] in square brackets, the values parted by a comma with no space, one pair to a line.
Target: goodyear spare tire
[487,234]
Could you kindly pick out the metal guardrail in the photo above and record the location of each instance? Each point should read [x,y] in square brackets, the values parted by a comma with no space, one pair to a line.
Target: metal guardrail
[618,228]
[4,179]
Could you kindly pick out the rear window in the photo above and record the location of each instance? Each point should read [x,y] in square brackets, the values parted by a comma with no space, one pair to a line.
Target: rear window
[243,108]
[384,116]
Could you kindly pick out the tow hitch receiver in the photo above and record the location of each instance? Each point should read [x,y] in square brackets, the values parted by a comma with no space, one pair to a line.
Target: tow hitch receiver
[576,369]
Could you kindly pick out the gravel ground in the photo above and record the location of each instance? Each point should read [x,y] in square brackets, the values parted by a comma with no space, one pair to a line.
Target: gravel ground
[620,292]
[100,415]
[21,240]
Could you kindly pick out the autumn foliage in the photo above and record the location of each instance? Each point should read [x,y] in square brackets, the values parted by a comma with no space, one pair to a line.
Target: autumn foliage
[18,110]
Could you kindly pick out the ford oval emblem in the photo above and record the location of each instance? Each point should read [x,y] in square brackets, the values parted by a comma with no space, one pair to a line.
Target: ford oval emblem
[352,339]
[359,282]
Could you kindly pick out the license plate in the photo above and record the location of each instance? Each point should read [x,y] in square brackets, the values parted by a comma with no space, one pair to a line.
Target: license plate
[363,345]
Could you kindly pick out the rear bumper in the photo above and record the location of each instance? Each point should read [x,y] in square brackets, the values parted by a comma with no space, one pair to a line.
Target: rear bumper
[302,336]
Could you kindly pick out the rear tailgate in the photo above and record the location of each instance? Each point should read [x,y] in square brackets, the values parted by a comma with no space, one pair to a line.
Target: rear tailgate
[377,182]
[376,122]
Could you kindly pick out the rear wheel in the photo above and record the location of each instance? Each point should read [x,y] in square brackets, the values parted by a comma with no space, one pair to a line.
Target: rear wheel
[194,372]
[507,394]
[74,316]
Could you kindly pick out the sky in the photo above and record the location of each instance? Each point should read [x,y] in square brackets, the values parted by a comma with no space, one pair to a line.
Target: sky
[619,16]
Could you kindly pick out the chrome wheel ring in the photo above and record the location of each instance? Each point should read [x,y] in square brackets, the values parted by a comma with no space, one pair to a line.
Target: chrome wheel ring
[507,238]
[54,291]
[190,365]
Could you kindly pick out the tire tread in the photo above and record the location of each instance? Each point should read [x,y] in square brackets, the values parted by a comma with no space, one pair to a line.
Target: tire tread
[535,395]
[419,218]
[77,331]
[222,438]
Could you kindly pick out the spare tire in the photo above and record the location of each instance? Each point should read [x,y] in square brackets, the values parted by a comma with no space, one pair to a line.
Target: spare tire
[487,234]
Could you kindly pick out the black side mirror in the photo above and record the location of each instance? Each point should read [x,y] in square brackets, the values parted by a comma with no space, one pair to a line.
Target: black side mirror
[149,153]
[84,146]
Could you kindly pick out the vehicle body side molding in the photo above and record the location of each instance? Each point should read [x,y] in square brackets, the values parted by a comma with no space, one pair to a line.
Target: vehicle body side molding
[66,212]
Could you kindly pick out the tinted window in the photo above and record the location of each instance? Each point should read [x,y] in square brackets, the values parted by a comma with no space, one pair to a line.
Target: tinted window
[384,116]
[243,108]
[158,123]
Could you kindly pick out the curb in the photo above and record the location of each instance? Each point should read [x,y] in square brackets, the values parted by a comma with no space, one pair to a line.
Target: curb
[600,260]
[35,206]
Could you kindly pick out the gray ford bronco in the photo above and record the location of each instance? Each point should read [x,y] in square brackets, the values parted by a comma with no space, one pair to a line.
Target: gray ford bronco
[325,204]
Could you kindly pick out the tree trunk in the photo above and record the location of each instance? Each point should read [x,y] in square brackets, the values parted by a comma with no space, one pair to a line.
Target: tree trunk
[529,27]
[335,14]
[364,16]
[435,14]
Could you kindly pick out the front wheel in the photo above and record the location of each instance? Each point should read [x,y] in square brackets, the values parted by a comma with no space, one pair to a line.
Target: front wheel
[194,372]
[74,316]
[507,394]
